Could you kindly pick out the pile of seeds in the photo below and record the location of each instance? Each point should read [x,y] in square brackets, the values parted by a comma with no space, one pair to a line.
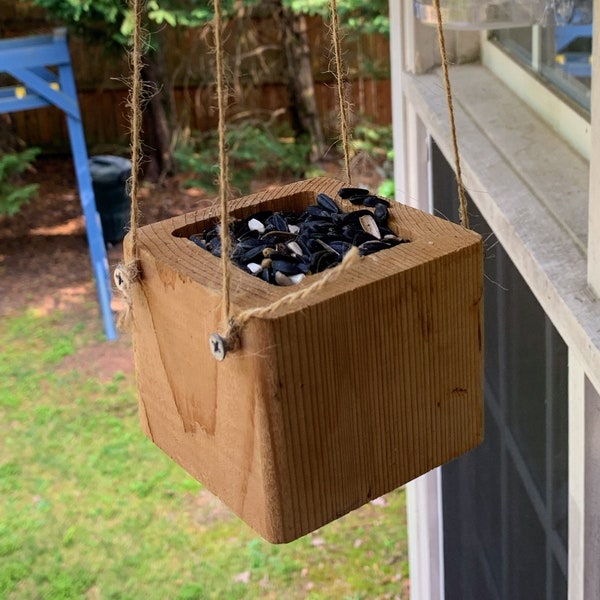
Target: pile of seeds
[283,247]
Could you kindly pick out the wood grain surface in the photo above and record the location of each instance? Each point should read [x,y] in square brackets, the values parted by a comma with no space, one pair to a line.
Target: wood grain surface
[329,403]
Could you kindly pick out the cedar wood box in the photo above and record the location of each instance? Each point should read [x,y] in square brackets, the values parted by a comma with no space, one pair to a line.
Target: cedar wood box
[330,402]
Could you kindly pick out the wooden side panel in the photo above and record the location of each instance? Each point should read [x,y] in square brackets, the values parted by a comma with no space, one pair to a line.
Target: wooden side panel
[379,386]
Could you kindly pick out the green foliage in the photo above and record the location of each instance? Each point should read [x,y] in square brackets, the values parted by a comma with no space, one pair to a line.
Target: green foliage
[376,141]
[356,16]
[95,20]
[111,22]
[12,193]
[255,151]
[387,189]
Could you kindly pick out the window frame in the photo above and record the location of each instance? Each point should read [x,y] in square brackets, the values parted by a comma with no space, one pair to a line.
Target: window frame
[570,123]
[416,116]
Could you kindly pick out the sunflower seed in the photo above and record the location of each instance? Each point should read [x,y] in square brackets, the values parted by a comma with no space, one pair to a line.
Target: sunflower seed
[282,247]
[295,248]
[371,247]
[372,201]
[282,279]
[327,203]
[256,225]
[381,215]
[367,222]
[349,192]
[254,268]
[277,222]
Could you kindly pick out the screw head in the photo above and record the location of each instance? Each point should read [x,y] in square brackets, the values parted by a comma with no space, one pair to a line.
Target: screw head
[119,277]
[217,346]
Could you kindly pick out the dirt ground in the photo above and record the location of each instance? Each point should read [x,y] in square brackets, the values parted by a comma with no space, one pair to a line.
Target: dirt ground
[45,262]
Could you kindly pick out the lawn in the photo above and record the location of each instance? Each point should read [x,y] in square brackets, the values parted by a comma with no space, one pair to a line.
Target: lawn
[92,509]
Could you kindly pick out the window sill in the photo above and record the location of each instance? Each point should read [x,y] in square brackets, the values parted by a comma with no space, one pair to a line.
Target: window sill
[530,186]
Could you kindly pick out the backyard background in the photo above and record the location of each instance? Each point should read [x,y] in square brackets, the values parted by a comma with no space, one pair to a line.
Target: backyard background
[90,508]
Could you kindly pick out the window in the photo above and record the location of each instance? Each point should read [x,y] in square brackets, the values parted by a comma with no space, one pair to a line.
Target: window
[560,52]
[505,503]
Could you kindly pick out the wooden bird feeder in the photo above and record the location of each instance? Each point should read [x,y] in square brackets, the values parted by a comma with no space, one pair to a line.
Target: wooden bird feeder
[330,402]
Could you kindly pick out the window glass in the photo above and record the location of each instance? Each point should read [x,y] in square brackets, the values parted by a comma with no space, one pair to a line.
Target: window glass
[559,51]
[505,503]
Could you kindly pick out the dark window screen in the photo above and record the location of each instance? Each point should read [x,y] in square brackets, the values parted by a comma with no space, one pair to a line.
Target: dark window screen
[505,503]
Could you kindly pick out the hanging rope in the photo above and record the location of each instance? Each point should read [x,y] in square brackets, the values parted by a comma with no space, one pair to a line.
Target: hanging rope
[339,75]
[233,325]
[223,163]
[135,104]
[462,198]
[126,273]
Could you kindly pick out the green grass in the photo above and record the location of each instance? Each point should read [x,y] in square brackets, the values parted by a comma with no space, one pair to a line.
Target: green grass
[91,509]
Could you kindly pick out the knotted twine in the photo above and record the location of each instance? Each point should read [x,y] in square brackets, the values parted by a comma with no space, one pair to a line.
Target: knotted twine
[126,274]
[234,324]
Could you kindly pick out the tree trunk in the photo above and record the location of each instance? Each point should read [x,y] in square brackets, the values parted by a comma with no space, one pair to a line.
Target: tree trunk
[9,142]
[305,115]
[158,118]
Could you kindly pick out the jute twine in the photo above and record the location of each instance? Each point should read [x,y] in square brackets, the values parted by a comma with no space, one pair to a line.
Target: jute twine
[223,163]
[127,274]
[234,324]
[339,76]
[462,198]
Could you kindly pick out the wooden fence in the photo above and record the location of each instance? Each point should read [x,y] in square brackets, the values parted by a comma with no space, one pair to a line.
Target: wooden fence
[256,58]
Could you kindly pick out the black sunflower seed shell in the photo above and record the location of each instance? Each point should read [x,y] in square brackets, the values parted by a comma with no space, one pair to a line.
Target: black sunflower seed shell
[212,233]
[316,211]
[198,240]
[266,275]
[248,255]
[288,267]
[372,246]
[354,216]
[327,203]
[348,192]
[276,222]
[249,242]
[381,215]
[362,237]
[277,236]
[341,247]
[372,201]
[323,260]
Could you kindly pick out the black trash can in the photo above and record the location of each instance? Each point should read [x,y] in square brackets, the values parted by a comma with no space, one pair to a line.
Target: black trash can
[109,179]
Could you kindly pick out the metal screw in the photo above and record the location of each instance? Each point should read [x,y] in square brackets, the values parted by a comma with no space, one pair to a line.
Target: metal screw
[217,346]
[119,277]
